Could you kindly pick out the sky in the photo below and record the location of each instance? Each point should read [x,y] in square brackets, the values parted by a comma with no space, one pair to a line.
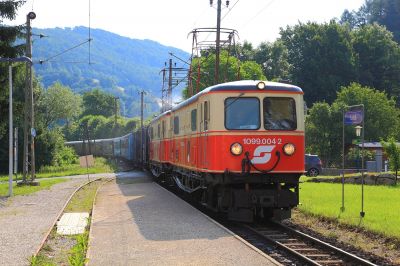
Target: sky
[169,21]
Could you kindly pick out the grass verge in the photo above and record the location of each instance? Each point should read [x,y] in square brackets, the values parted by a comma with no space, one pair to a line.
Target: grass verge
[351,238]
[25,190]
[101,165]
[69,250]
[381,205]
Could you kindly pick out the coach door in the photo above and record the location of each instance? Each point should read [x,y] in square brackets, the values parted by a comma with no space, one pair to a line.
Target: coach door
[204,125]
[162,142]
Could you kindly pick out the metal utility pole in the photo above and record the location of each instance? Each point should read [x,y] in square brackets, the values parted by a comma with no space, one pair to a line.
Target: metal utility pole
[141,125]
[175,76]
[10,137]
[29,129]
[169,91]
[115,111]
[10,131]
[217,52]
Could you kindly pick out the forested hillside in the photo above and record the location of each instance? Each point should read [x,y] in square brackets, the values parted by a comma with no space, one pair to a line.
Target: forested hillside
[117,64]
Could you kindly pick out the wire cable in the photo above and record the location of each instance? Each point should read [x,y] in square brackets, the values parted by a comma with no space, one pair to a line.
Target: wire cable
[230,9]
[63,52]
[259,12]
[90,38]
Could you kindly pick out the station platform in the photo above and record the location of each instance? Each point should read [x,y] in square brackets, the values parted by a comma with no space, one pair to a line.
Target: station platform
[137,222]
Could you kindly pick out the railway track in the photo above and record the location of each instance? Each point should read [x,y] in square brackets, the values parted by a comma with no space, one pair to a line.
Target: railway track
[284,244]
[292,247]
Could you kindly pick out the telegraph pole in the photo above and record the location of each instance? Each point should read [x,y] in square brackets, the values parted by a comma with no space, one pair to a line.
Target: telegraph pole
[175,76]
[29,129]
[169,91]
[217,52]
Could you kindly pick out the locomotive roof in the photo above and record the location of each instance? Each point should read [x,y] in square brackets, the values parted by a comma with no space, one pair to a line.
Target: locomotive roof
[240,86]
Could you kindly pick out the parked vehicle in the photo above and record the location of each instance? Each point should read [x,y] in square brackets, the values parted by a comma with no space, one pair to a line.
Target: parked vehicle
[313,165]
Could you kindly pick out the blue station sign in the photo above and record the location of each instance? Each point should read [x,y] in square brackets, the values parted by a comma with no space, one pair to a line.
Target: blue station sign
[353,117]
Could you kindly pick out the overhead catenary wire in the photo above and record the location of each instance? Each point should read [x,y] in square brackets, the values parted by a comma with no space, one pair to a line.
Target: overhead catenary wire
[74,47]
[230,9]
[90,36]
[259,12]
[63,52]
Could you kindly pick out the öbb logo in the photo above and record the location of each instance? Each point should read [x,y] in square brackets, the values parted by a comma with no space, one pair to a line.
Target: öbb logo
[262,154]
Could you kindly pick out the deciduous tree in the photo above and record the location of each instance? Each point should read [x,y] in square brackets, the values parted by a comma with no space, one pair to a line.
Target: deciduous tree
[321,58]
[392,150]
[57,103]
[98,102]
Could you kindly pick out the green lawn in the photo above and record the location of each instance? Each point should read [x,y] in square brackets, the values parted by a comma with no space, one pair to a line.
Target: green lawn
[101,166]
[24,190]
[381,205]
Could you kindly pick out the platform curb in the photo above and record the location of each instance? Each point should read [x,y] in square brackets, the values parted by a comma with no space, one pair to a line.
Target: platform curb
[87,258]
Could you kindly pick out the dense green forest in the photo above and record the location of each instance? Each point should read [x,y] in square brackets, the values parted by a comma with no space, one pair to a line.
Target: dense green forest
[347,61]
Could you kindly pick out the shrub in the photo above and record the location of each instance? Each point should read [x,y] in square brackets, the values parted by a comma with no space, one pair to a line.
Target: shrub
[64,156]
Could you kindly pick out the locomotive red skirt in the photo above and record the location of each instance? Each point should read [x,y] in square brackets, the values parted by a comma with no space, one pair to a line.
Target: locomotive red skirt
[237,147]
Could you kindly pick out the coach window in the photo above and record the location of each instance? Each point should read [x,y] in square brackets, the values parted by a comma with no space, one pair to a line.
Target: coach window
[193,119]
[279,113]
[151,133]
[206,115]
[163,129]
[242,113]
[176,125]
[158,131]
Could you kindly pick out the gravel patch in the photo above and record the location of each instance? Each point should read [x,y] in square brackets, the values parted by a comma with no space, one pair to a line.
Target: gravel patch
[24,220]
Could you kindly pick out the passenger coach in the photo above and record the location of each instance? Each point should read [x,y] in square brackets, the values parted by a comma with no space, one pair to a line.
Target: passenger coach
[237,147]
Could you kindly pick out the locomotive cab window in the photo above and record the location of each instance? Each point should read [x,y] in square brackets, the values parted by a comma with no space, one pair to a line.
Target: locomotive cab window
[279,113]
[242,113]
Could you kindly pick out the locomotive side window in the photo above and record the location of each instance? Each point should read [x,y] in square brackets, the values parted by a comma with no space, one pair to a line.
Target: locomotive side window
[193,119]
[163,129]
[176,125]
[206,115]
[151,133]
[158,130]
[242,113]
[279,113]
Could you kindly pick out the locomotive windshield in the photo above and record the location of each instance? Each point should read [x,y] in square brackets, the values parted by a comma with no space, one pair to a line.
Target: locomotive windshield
[242,113]
[279,113]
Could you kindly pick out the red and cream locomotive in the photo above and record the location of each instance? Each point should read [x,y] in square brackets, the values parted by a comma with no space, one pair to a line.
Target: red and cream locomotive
[237,147]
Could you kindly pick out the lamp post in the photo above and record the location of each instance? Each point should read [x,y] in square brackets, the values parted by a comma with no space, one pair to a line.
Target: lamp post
[353,115]
[10,132]
[358,134]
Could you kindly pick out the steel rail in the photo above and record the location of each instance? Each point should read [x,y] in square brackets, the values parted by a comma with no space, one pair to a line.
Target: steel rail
[337,252]
[47,234]
[329,246]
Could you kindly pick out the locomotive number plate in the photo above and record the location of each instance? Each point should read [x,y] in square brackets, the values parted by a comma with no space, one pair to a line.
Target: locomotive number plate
[258,141]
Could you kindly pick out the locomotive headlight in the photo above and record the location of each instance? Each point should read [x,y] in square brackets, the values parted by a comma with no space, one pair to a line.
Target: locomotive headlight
[289,149]
[260,85]
[236,148]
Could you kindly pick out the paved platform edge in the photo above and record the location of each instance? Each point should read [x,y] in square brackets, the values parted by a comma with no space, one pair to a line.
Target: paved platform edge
[91,219]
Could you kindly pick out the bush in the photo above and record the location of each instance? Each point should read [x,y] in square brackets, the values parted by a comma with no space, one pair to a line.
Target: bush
[64,156]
